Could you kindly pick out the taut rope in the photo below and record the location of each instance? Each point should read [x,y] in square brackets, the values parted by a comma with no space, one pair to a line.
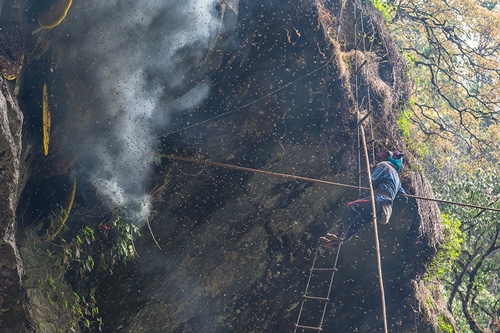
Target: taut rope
[312,180]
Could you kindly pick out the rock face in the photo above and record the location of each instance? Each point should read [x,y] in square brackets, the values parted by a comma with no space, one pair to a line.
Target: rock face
[283,85]
[12,172]
[236,247]
[11,180]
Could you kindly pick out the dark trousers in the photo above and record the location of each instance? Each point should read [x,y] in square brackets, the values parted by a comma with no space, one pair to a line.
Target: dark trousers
[357,214]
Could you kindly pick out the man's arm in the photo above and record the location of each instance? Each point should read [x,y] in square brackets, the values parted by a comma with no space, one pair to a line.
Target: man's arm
[376,175]
[401,190]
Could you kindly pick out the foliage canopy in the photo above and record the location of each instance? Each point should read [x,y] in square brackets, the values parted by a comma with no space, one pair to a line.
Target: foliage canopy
[470,270]
[454,51]
[454,47]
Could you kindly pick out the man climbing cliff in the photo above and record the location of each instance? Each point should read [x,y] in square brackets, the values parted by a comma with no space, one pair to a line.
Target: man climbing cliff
[358,213]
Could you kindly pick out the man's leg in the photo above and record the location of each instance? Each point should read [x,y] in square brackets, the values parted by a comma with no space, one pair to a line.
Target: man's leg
[357,214]
[352,221]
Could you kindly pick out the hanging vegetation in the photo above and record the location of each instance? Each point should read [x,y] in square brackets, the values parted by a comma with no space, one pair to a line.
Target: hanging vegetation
[60,219]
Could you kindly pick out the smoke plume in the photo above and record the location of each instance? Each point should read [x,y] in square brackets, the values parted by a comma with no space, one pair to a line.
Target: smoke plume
[139,53]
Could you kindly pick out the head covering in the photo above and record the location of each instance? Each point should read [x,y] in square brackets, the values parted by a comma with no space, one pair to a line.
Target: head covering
[396,159]
[396,154]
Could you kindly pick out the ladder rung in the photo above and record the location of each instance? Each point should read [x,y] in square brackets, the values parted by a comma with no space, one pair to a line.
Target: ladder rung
[361,172]
[317,298]
[309,327]
[364,91]
[324,269]
[359,68]
[363,119]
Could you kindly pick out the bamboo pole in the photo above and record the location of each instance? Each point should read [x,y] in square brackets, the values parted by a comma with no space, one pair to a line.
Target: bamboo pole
[375,230]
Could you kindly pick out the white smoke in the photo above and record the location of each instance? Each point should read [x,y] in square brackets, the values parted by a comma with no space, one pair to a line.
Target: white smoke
[138,52]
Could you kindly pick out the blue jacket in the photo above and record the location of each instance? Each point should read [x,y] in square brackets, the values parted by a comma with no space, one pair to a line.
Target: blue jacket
[386,183]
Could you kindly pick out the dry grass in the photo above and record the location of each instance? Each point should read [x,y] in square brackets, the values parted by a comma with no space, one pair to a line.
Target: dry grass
[369,76]
[385,96]
[430,225]
[432,304]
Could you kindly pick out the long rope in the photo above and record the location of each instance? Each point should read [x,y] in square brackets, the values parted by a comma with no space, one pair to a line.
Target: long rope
[268,94]
[368,88]
[313,180]
[252,101]
[356,95]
